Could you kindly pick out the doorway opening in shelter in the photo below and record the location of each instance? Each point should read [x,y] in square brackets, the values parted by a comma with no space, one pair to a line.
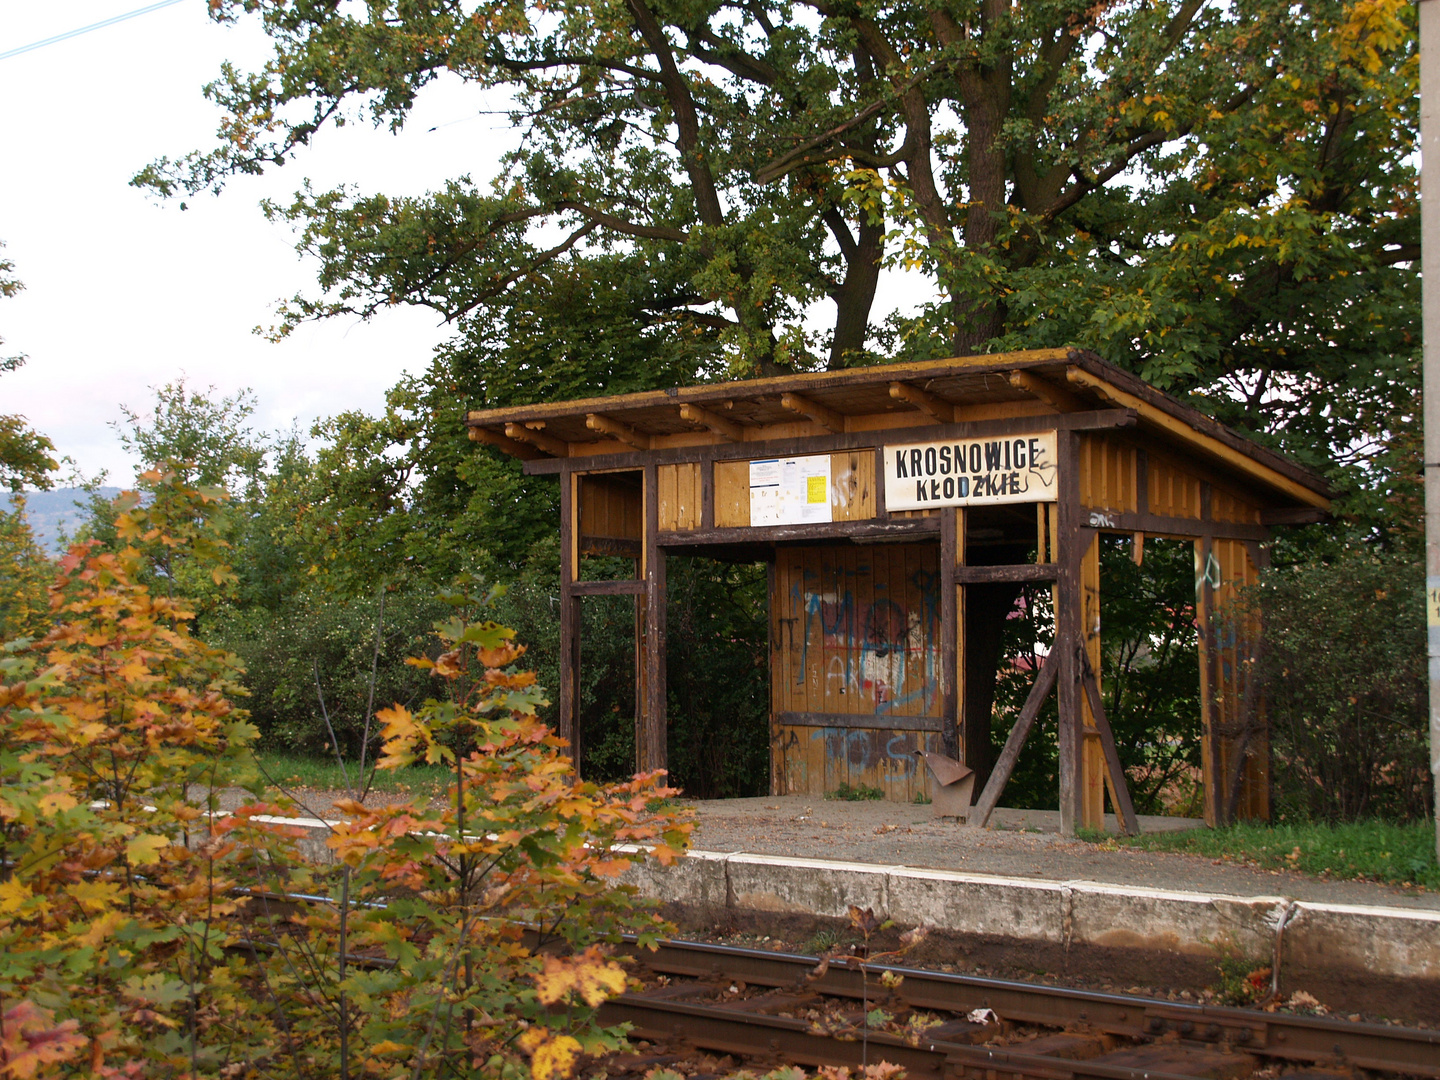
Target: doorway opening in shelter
[1150,669]
[1149,677]
[605,716]
[1000,657]
[717,677]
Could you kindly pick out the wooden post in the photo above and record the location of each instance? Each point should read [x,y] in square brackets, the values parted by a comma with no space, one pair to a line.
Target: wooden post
[569,711]
[1092,772]
[650,745]
[1209,733]
[1119,789]
[1068,637]
[951,520]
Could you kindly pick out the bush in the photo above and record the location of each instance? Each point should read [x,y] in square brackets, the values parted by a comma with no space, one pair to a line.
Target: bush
[135,933]
[318,642]
[1343,676]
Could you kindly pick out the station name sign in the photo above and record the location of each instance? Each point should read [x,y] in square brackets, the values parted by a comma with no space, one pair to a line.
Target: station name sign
[970,472]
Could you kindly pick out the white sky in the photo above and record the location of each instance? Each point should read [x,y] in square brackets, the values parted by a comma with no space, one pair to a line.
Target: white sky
[124,293]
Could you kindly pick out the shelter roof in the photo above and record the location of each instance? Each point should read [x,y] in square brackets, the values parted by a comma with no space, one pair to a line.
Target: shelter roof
[878,398]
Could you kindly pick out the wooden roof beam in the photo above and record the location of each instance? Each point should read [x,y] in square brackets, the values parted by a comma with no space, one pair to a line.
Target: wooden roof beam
[615,429]
[500,442]
[535,437]
[1057,397]
[705,418]
[826,418]
[936,408]
[1156,417]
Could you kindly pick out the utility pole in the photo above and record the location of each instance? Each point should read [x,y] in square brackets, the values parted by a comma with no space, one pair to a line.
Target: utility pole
[1430,357]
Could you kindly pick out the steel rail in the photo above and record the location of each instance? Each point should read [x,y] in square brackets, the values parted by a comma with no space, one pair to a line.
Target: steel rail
[1311,1039]
[1314,1040]
[732,1031]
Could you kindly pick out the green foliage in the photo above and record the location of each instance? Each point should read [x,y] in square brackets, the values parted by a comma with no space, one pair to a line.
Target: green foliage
[324,773]
[24,574]
[1027,637]
[315,646]
[1343,677]
[1149,676]
[24,453]
[1150,670]
[1368,850]
[856,793]
[520,842]
[116,734]
[135,937]
[718,677]
[1220,198]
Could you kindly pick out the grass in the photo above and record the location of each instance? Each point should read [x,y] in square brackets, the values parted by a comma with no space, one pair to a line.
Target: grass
[295,770]
[858,793]
[1364,851]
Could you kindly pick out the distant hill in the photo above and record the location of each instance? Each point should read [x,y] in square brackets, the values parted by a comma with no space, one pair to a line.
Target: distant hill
[51,513]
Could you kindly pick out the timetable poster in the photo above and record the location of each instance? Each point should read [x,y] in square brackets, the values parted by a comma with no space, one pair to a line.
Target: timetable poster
[790,491]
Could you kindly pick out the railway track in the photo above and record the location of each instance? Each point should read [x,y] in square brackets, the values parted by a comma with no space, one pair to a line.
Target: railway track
[765,1006]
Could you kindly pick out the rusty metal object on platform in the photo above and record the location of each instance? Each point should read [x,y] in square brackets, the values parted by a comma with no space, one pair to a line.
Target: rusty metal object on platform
[950,796]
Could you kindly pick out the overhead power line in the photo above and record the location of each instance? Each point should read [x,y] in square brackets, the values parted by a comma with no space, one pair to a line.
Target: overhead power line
[86,29]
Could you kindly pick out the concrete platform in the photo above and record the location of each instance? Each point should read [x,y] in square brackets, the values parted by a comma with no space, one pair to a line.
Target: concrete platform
[1139,911]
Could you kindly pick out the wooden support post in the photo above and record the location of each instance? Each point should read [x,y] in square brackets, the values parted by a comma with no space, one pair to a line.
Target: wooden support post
[1209,727]
[1092,758]
[650,747]
[1005,764]
[1068,635]
[951,520]
[569,712]
[1119,789]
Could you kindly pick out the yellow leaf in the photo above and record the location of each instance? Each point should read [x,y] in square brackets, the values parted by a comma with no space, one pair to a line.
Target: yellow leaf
[589,974]
[94,895]
[145,850]
[388,1047]
[597,982]
[13,894]
[551,1058]
[57,801]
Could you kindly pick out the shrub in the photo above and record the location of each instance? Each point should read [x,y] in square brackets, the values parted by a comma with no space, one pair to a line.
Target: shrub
[1343,676]
[135,933]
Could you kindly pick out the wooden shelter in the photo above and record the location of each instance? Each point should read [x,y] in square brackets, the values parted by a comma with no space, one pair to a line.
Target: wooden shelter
[898,507]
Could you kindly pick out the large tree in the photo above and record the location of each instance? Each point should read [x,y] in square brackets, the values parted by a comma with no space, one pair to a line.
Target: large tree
[25,454]
[1220,196]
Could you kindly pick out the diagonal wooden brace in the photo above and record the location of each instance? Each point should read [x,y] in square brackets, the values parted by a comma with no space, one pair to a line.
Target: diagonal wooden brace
[1005,763]
[1124,808]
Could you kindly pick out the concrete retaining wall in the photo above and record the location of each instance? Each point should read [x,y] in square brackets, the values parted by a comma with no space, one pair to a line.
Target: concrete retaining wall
[1388,943]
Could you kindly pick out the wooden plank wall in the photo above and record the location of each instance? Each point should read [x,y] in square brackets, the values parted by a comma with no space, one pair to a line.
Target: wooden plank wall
[610,508]
[855,633]
[1107,474]
[1232,721]
[732,494]
[852,489]
[1232,716]
[679,496]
